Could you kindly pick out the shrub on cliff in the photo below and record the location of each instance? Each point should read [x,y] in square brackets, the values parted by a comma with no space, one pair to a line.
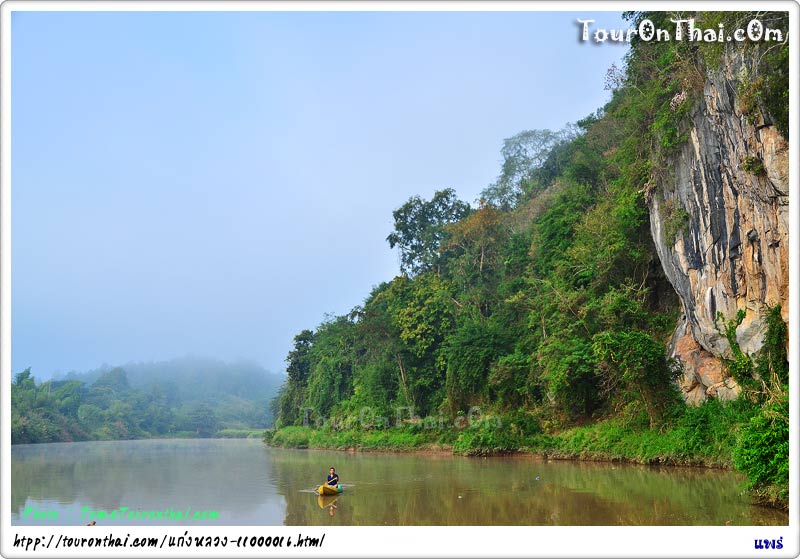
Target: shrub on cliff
[762,452]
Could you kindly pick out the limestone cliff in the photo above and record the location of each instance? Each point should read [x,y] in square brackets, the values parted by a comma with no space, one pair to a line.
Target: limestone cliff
[720,222]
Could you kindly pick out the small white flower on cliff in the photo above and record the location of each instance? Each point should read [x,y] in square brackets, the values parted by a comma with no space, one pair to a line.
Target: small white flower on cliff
[678,100]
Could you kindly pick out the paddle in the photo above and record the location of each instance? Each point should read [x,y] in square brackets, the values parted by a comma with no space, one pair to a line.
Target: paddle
[320,489]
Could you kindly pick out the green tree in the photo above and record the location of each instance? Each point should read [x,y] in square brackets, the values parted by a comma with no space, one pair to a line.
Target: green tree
[469,353]
[203,420]
[634,368]
[476,244]
[524,154]
[419,230]
[422,311]
[382,380]
[332,365]
[290,398]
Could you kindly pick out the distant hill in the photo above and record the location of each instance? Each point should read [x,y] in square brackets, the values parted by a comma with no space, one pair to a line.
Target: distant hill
[194,378]
[184,397]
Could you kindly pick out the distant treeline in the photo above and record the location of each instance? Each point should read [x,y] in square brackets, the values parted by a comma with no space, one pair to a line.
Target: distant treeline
[184,397]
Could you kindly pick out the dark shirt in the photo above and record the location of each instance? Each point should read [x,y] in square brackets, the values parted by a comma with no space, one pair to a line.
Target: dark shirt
[333,479]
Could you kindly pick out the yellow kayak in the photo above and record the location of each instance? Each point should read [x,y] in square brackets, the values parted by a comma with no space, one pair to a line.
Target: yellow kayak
[328,490]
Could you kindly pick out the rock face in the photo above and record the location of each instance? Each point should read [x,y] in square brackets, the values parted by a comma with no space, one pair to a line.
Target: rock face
[720,222]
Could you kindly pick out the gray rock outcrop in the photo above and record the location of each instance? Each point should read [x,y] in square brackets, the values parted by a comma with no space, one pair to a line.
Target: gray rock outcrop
[720,222]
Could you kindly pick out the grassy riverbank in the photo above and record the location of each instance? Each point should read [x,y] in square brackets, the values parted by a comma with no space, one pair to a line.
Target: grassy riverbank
[713,435]
[607,441]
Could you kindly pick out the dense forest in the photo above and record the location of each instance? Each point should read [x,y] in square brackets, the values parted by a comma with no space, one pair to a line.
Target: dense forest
[188,397]
[544,304]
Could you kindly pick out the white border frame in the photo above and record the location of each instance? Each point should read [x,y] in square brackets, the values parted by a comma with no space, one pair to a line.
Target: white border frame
[481,541]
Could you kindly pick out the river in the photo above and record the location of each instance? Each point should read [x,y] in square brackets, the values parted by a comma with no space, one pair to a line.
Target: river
[245,483]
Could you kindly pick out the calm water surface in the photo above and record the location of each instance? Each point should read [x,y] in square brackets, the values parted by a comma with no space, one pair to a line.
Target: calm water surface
[250,484]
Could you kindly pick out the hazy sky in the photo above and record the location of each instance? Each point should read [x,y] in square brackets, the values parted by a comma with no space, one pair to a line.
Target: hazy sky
[213,183]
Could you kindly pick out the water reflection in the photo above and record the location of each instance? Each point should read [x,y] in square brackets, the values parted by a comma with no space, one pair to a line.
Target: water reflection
[231,477]
[328,502]
[444,490]
[249,484]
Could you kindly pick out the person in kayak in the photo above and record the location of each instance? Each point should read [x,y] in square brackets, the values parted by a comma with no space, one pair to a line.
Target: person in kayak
[333,478]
